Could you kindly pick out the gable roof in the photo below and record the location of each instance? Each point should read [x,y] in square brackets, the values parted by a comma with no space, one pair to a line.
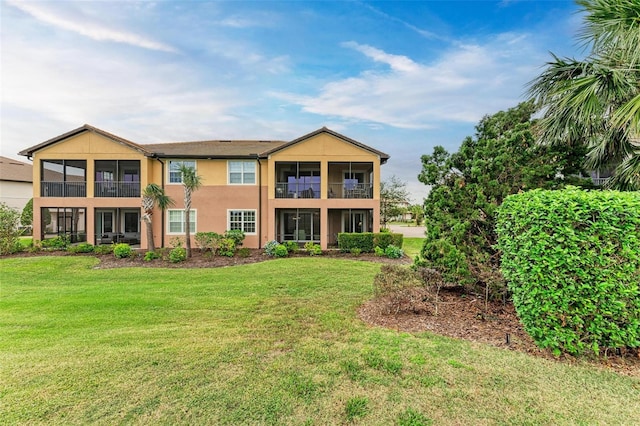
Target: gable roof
[85,128]
[15,171]
[205,149]
[383,157]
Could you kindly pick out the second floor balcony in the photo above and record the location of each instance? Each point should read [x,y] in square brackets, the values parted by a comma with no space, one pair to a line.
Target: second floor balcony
[350,189]
[115,189]
[63,189]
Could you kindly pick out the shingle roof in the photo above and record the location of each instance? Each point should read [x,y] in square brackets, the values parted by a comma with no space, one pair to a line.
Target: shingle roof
[213,149]
[206,149]
[14,170]
[85,128]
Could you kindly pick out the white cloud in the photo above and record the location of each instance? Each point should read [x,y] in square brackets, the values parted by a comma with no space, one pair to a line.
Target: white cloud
[464,83]
[86,28]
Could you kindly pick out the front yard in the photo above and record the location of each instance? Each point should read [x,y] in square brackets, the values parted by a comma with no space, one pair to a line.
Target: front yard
[277,342]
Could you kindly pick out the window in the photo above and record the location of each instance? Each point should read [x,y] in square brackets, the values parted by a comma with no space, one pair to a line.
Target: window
[244,220]
[174,169]
[242,172]
[176,221]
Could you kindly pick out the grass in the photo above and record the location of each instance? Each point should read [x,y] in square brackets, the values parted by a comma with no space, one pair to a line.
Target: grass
[271,343]
[412,246]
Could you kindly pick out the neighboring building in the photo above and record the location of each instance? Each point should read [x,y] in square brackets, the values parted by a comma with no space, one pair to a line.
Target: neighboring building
[16,188]
[87,184]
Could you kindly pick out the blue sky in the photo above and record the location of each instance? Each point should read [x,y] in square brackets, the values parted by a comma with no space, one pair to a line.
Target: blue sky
[399,76]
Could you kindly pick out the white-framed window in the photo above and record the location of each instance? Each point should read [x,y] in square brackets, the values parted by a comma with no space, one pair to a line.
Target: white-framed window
[242,172]
[176,221]
[244,220]
[174,169]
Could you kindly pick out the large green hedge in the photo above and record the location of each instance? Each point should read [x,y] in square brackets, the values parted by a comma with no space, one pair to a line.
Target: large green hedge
[367,241]
[572,262]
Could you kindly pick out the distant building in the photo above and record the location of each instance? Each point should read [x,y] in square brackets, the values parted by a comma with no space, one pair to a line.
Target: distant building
[16,182]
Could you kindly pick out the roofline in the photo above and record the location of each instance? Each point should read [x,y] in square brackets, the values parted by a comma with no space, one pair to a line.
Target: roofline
[85,128]
[383,156]
[207,157]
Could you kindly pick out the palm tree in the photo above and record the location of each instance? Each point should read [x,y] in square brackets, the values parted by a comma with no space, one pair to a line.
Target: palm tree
[596,101]
[153,195]
[191,182]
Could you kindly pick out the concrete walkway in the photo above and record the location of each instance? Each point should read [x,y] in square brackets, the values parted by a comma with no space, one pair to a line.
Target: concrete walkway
[408,231]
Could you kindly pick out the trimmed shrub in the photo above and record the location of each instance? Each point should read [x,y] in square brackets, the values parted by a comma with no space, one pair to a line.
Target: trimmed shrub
[393,252]
[103,249]
[81,248]
[313,249]
[385,239]
[244,252]
[270,248]
[292,246]
[572,262]
[355,251]
[378,251]
[178,254]
[151,255]
[281,251]
[122,250]
[236,235]
[61,242]
[208,241]
[366,241]
[227,247]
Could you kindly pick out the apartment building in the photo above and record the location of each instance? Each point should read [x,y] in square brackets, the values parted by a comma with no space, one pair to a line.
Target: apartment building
[87,184]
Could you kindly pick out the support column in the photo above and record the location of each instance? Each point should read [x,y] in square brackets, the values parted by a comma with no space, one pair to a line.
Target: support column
[324,227]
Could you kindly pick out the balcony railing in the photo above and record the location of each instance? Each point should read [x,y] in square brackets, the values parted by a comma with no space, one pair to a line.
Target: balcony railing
[63,189]
[600,181]
[297,190]
[350,190]
[116,189]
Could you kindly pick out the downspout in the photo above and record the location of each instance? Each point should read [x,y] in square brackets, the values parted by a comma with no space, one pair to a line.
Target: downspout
[259,224]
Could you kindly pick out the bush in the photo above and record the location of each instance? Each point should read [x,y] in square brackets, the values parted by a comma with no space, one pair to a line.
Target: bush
[81,248]
[366,241]
[103,249]
[151,255]
[244,252]
[313,249]
[361,240]
[355,251]
[236,235]
[572,261]
[292,246]
[400,289]
[270,248]
[208,241]
[178,254]
[9,233]
[393,252]
[385,239]
[378,251]
[281,251]
[61,242]
[122,250]
[227,247]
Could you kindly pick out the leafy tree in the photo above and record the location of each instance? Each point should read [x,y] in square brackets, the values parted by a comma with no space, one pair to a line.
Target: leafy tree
[393,196]
[596,101]
[9,232]
[153,195]
[190,182]
[418,213]
[26,218]
[469,185]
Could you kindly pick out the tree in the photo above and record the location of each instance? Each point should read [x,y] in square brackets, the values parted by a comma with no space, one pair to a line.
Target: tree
[9,232]
[469,185]
[417,211]
[596,101]
[393,197]
[191,182]
[153,195]
[26,218]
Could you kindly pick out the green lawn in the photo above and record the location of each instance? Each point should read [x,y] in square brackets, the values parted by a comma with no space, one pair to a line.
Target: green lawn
[412,246]
[271,343]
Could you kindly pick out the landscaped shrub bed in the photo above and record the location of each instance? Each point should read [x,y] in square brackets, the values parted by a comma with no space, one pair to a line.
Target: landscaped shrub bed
[368,241]
[572,262]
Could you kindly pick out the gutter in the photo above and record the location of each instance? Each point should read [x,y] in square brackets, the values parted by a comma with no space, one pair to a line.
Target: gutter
[163,215]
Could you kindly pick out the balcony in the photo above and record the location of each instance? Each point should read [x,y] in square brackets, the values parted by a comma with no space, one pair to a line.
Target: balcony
[350,190]
[63,189]
[115,189]
[297,189]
